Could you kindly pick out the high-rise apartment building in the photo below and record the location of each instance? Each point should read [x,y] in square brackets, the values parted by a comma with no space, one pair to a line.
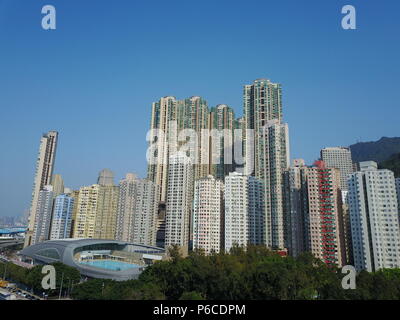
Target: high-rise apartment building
[107,206]
[340,158]
[273,160]
[294,213]
[173,122]
[137,210]
[208,215]
[239,147]
[84,225]
[58,184]
[126,208]
[44,211]
[267,151]
[374,218]
[106,178]
[244,211]
[75,195]
[44,171]
[162,134]
[62,217]
[179,201]
[324,217]
[193,114]
[262,102]
[221,125]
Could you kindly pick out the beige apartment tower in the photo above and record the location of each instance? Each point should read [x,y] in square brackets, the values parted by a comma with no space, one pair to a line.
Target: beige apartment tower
[43,174]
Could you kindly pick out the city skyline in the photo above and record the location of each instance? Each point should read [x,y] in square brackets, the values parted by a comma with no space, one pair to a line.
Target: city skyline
[143,172]
[334,80]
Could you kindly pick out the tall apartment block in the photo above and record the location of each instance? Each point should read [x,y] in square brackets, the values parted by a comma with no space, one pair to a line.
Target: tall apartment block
[126,208]
[208,215]
[374,218]
[267,151]
[84,225]
[324,219]
[222,121]
[294,207]
[169,118]
[58,184]
[340,158]
[137,211]
[262,101]
[44,211]
[244,211]
[161,134]
[44,171]
[107,205]
[179,201]
[75,195]
[239,147]
[106,178]
[273,160]
[62,217]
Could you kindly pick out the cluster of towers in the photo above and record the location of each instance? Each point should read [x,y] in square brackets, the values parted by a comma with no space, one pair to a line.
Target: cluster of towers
[215,181]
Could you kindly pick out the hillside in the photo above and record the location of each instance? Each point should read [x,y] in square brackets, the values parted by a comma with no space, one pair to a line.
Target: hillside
[378,151]
[393,163]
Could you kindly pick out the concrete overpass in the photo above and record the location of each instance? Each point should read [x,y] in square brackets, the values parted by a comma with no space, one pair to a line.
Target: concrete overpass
[10,242]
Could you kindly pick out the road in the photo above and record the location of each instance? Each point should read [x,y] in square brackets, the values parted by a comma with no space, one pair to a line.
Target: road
[10,243]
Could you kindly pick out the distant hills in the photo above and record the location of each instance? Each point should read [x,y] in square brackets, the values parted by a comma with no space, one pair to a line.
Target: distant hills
[378,151]
[393,163]
[385,151]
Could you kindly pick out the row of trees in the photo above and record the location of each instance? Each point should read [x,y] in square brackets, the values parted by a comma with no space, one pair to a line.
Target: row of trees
[253,274]
[32,278]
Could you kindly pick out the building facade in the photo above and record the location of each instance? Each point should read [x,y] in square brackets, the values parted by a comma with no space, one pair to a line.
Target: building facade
[173,122]
[106,215]
[44,171]
[84,225]
[179,201]
[374,218]
[324,217]
[208,215]
[262,102]
[44,212]
[221,126]
[273,160]
[294,207]
[62,217]
[244,211]
[137,210]
[340,158]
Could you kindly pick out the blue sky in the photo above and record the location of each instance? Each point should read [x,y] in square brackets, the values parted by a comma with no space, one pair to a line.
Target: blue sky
[95,77]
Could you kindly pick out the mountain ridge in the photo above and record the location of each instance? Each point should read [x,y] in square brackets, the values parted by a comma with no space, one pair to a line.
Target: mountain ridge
[378,151]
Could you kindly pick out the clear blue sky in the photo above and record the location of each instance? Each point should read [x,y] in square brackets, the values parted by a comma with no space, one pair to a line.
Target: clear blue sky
[95,77]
